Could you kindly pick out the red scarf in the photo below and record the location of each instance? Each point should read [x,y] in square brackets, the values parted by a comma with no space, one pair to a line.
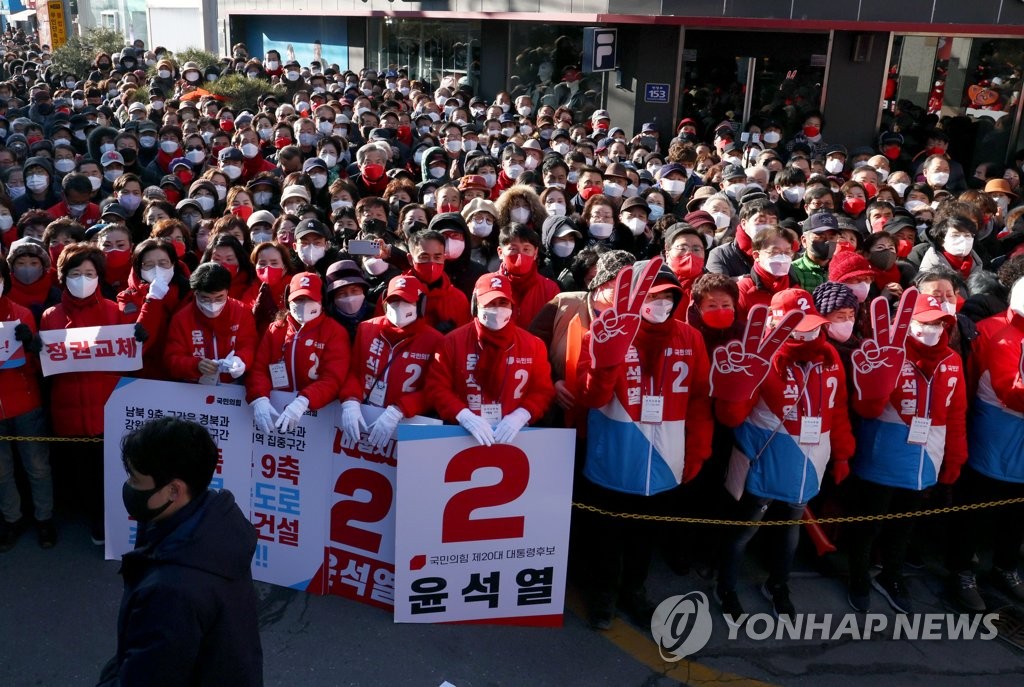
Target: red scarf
[494,346]
[163,160]
[378,187]
[744,242]
[34,294]
[962,265]
[885,277]
[770,281]
[650,343]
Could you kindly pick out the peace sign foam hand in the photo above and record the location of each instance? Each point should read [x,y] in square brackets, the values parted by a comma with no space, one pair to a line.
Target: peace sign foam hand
[879,360]
[612,332]
[739,367]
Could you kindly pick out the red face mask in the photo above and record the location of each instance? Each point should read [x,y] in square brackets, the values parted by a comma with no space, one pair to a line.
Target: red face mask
[891,152]
[269,275]
[811,131]
[870,189]
[719,319]
[184,176]
[227,125]
[854,206]
[448,207]
[242,211]
[179,248]
[373,172]
[172,195]
[842,247]
[686,266]
[232,269]
[428,272]
[55,250]
[878,225]
[518,264]
[903,247]
[590,192]
[936,150]
[282,142]
[118,258]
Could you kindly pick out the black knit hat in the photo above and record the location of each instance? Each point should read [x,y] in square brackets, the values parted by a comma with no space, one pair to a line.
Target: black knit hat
[832,295]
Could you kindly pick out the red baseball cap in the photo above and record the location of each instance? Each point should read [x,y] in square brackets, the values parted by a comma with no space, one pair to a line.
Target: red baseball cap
[491,286]
[788,300]
[929,309]
[306,284]
[406,287]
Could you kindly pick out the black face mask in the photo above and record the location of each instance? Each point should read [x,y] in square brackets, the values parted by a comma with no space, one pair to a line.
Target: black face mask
[822,250]
[882,259]
[129,155]
[136,502]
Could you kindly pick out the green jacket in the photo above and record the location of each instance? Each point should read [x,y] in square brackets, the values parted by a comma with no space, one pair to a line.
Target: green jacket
[808,274]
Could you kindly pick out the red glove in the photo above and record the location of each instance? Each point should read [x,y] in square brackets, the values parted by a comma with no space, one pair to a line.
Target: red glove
[612,332]
[840,470]
[878,362]
[949,473]
[739,368]
[690,469]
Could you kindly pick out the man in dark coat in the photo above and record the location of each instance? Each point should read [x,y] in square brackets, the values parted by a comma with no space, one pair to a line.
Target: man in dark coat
[188,615]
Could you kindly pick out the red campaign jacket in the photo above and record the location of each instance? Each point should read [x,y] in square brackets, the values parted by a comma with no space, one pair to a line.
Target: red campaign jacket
[77,398]
[755,289]
[155,317]
[192,336]
[254,165]
[19,386]
[453,382]
[88,218]
[315,356]
[240,284]
[406,375]
[532,292]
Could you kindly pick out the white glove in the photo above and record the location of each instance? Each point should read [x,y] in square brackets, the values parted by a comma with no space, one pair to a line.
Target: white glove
[291,415]
[509,427]
[352,423]
[477,426]
[264,414]
[383,428]
[232,365]
[158,289]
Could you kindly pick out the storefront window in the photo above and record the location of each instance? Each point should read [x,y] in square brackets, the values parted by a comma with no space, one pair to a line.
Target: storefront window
[970,85]
[430,50]
[546,66]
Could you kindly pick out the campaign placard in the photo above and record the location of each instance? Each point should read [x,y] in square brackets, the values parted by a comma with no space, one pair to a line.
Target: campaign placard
[12,353]
[290,475]
[110,348]
[222,410]
[482,532]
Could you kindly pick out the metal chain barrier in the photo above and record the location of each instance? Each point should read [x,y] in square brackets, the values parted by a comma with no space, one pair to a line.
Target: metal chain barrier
[91,440]
[790,523]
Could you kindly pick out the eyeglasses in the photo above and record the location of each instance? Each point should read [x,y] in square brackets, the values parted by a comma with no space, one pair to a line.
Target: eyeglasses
[775,252]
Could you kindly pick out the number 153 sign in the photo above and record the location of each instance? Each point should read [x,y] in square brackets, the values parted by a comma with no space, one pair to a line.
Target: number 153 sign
[482,532]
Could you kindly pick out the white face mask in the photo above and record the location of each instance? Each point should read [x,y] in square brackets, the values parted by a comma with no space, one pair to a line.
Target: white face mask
[804,337]
[601,230]
[211,309]
[304,312]
[158,274]
[232,172]
[556,209]
[722,220]
[860,291]
[319,180]
[777,265]
[793,194]
[82,287]
[938,179]
[375,266]
[513,171]
[481,227]
[900,188]
[656,311]
[453,248]
[959,246]
[563,249]
[673,186]
[834,165]
[349,305]
[841,331]
[205,202]
[329,159]
[636,225]
[64,166]
[490,179]
[772,137]
[612,190]
[6,222]
[400,313]
[261,237]
[310,254]
[1017,298]
[521,215]
[494,318]
[928,334]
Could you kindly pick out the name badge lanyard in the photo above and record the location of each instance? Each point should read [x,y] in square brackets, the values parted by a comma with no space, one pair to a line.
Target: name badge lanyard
[920,426]
[782,420]
[652,406]
[504,377]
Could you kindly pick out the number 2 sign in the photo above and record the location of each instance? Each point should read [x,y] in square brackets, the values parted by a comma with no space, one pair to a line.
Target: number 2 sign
[482,532]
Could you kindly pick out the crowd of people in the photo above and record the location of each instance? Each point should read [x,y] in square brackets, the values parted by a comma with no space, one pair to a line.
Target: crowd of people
[697,307]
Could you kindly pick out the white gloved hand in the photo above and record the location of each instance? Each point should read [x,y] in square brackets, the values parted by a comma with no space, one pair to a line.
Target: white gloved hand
[477,426]
[509,427]
[232,365]
[292,414]
[264,414]
[383,428]
[352,422]
[158,289]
